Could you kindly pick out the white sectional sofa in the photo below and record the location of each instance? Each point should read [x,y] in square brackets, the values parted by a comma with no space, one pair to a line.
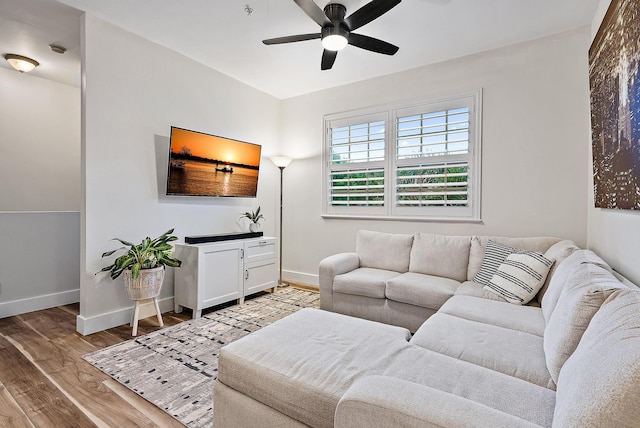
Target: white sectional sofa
[404,279]
[569,358]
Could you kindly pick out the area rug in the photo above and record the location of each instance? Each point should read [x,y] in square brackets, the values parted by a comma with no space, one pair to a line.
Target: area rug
[175,368]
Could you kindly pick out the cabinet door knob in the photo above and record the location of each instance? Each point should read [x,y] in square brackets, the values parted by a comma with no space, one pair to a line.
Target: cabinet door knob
[246,274]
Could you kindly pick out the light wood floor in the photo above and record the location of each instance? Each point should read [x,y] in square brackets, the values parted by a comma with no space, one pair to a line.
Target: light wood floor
[44,382]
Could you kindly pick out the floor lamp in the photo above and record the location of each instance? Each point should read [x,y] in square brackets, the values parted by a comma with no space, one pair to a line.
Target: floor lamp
[281,162]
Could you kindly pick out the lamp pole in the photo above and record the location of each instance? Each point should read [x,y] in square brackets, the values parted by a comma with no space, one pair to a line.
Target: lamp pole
[281,162]
[281,180]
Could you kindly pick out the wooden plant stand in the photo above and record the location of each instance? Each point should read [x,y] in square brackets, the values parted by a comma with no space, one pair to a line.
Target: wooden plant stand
[136,314]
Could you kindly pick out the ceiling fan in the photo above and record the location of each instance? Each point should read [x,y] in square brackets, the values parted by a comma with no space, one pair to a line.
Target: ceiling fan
[337,30]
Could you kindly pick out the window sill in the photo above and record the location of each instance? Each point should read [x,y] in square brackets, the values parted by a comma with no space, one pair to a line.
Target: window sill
[406,218]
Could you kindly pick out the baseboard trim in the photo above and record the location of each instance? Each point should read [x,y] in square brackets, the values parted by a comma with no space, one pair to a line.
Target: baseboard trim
[300,277]
[90,325]
[302,286]
[94,324]
[46,301]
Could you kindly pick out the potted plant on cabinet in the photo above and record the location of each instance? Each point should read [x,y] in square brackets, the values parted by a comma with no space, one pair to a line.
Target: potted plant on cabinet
[143,267]
[254,217]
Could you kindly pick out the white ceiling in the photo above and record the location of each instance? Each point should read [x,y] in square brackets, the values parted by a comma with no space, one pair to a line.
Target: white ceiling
[221,35]
[28,27]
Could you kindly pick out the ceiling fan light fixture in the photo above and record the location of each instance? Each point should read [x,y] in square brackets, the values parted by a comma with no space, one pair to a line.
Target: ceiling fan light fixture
[334,38]
[21,63]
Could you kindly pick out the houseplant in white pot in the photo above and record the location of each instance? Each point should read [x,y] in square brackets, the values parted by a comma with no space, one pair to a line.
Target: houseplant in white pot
[254,217]
[143,266]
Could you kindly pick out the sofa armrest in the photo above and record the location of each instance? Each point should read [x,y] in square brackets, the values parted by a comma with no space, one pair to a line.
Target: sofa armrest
[383,401]
[329,268]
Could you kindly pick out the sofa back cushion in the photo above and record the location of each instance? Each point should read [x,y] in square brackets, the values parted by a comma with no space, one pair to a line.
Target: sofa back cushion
[599,385]
[439,255]
[578,303]
[558,252]
[479,243]
[388,251]
[566,275]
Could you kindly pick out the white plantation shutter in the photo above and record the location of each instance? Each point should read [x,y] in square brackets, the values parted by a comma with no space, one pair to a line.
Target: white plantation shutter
[421,161]
[357,187]
[357,153]
[422,185]
[432,159]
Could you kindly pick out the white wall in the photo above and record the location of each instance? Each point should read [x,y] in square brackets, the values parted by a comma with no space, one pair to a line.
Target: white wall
[534,163]
[613,234]
[39,261]
[39,144]
[134,91]
[39,193]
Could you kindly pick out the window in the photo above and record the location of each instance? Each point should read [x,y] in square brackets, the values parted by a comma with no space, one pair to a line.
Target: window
[420,161]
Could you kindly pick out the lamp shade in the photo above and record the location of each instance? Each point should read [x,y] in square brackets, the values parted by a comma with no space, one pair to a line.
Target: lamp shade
[281,161]
[21,63]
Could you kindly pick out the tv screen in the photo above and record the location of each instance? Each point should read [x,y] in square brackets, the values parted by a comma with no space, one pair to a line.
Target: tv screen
[207,165]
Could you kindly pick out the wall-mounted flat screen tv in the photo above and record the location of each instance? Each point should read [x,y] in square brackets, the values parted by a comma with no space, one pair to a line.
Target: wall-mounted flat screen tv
[207,165]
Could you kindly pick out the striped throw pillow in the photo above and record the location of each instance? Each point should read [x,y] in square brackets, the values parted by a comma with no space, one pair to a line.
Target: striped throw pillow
[494,254]
[519,278]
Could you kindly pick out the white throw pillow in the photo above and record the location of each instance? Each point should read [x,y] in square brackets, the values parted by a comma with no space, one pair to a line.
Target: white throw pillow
[519,278]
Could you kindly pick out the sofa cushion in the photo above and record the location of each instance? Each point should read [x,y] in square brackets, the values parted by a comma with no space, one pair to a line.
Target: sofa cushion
[388,251]
[385,401]
[512,352]
[599,385]
[558,252]
[564,277]
[470,288]
[304,379]
[364,282]
[439,255]
[479,243]
[421,290]
[574,310]
[488,387]
[519,278]
[522,318]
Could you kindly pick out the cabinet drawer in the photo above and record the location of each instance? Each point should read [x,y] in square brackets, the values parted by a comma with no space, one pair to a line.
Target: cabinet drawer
[263,249]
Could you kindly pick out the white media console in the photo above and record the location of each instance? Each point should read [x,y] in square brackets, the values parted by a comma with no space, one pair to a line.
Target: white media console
[218,272]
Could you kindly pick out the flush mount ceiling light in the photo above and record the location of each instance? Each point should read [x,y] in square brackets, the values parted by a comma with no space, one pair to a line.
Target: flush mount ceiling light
[21,63]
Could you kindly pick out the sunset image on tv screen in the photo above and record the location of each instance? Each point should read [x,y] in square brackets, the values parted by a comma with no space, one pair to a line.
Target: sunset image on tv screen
[207,165]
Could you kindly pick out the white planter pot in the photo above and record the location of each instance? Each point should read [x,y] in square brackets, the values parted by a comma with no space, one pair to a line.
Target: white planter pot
[254,227]
[146,286]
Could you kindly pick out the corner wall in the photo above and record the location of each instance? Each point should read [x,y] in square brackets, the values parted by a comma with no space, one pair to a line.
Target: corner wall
[613,234]
[534,160]
[134,91]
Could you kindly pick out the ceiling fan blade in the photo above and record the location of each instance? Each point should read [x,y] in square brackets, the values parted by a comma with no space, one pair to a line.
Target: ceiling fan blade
[369,12]
[290,39]
[328,58]
[313,11]
[371,44]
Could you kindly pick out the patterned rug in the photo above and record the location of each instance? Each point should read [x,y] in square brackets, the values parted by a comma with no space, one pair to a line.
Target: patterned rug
[175,368]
